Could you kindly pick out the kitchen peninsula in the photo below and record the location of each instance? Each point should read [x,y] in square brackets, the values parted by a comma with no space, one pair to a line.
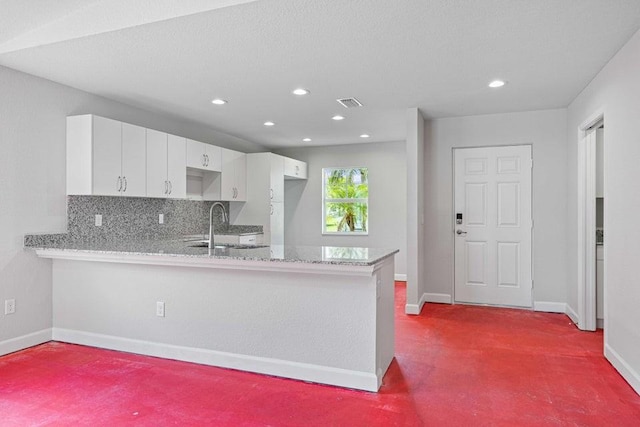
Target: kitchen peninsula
[318,314]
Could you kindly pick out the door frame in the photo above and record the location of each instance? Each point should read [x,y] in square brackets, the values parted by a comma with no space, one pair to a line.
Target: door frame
[453,224]
[586,222]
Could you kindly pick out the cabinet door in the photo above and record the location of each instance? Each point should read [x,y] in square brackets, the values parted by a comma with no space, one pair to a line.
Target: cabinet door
[107,157]
[240,166]
[157,182]
[196,154]
[213,157]
[134,152]
[177,167]
[277,223]
[295,168]
[228,175]
[276,190]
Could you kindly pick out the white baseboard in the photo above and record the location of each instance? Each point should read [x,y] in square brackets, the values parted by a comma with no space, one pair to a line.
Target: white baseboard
[627,372]
[415,308]
[262,365]
[438,298]
[24,341]
[427,297]
[572,314]
[400,277]
[550,307]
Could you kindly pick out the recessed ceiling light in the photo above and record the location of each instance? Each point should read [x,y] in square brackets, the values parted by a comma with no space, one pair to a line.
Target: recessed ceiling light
[307,139]
[364,135]
[269,123]
[218,101]
[300,91]
[496,83]
[337,117]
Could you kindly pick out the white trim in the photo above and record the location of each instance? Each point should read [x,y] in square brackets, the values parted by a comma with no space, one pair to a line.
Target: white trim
[550,306]
[400,277]
[586,157]
[262,365]
[415,308]
[437,298]
[572,315]
[25,341]
[427,297]
[627,372]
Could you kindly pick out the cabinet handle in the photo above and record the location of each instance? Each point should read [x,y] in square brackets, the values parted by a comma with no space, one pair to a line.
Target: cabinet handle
[297,169]
[204,160]
[271,209]
[166,187]
[207,160]
[119,184]
[271,193]
[170,187]
[124,178]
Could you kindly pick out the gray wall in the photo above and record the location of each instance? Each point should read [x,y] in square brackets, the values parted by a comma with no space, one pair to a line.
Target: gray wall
[387,196]
[546,131]
[32,181]
[615,91]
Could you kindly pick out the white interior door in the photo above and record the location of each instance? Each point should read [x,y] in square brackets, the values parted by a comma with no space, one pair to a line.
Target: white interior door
[492,202]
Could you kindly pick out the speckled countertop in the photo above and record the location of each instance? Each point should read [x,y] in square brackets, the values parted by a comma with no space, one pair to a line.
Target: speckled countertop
[182,248]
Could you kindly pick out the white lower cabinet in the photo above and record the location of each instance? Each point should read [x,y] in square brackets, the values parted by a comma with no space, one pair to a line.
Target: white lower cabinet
[166,165]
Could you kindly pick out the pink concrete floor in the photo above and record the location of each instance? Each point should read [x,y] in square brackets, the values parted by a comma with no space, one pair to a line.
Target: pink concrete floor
[455,366]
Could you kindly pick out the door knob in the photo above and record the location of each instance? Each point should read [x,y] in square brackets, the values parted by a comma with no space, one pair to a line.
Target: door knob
[460,232]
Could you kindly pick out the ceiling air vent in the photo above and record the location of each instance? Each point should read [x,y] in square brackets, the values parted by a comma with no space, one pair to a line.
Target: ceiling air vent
[349,102]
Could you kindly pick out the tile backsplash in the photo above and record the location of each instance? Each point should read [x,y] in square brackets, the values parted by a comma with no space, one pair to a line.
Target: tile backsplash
[137,217]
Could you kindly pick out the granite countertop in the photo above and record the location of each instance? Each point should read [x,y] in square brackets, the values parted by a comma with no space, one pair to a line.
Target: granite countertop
[181,248]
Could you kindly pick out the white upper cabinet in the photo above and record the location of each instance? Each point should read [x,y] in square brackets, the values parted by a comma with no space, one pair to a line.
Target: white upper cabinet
[204,156]
[104,157]
[233,186]
[177,167]
[166,165]
[294,169]
[276,183]
[134,149]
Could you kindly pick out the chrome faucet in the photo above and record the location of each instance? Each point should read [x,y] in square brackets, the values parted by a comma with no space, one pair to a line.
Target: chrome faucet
[225,219]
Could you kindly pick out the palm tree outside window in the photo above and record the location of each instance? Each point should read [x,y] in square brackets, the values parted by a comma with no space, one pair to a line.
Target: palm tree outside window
[345,201]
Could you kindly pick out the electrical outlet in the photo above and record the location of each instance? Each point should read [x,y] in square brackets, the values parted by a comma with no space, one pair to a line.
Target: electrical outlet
[160,309]
[161,219]
[9,306]
[98,220]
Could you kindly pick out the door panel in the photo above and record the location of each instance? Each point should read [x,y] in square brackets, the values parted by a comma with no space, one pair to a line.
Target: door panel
[476,204]
[508,204]
[476,261]
[493,248]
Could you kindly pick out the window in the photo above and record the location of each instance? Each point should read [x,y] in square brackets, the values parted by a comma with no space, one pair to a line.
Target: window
[345,204]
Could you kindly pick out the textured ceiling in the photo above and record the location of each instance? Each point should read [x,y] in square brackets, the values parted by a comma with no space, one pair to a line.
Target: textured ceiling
[436,55]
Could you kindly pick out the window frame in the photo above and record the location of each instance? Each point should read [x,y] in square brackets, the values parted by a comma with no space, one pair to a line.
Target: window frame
[325,200]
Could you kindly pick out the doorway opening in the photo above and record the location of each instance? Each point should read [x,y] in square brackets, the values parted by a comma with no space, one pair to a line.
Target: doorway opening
[591,262]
